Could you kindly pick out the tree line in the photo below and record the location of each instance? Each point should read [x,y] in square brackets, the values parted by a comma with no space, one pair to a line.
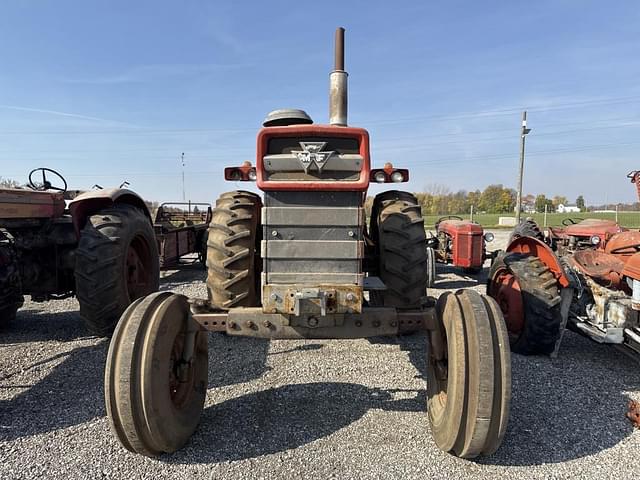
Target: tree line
[497,198]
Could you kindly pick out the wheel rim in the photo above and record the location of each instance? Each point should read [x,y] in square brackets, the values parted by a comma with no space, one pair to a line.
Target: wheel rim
[179,390]
[138,269]
[505,289]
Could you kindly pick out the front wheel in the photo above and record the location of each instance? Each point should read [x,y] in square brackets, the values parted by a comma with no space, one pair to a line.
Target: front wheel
[468,375]
[156,375]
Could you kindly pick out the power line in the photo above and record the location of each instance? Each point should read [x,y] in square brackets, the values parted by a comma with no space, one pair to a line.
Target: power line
[396,119]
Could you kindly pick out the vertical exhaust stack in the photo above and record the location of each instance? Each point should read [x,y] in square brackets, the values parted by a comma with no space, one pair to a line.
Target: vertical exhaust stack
[338,85]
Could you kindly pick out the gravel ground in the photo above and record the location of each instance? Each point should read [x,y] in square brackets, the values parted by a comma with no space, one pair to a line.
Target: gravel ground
[308,409]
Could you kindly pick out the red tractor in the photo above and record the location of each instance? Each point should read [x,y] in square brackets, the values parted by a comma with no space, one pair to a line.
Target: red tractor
[56,243]
[585,276]
[299,262]
[458,242]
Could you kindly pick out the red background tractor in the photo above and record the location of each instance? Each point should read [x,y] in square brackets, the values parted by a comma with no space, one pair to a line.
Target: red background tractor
[458,242]
[56,243]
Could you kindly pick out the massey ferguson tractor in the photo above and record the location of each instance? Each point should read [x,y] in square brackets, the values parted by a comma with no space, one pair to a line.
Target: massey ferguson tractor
[299,262]
[56,243]
[458,242]
[585,276]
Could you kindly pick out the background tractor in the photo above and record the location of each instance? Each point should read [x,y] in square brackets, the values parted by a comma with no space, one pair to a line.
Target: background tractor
[585,276]
[56,243]
[299,262]
[458,242]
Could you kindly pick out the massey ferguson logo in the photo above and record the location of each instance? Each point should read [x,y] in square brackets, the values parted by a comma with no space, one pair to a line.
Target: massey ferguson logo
[311,154]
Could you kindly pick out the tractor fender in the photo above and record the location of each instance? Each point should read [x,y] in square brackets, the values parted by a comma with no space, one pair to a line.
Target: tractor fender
[541,250]
[88,203]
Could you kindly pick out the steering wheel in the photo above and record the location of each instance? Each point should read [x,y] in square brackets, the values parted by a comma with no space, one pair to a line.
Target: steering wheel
[571,221]
[46,184]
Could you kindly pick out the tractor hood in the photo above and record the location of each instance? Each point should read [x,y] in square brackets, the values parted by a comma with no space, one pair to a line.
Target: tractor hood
[460,226]
[590,227]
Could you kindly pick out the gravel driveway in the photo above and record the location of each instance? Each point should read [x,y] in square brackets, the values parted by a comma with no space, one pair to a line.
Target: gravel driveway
[308,409]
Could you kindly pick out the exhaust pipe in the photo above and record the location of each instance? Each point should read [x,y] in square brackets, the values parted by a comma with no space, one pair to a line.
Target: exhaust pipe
[338,85]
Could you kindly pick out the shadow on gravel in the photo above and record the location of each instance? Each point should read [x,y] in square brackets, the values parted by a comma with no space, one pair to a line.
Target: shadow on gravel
[187,273]
[35,325]
[462,279]
[235,360]
[561,409]
[283,418]
[70,394]
[569,407]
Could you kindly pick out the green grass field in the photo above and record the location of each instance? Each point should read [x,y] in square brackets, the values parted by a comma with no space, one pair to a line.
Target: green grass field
[490,220]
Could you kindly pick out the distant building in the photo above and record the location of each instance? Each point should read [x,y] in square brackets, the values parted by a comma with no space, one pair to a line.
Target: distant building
[567,209]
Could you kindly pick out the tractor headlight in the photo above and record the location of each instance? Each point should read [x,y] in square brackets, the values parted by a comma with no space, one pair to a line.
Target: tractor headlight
[595,240]
[380,177]
[488,237]
[252,175]
[397,177]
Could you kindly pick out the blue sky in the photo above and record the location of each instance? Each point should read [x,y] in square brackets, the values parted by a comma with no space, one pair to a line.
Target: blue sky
[107,91]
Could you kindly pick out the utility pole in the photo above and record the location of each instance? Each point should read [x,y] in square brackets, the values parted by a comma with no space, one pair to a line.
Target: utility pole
[523,134]
[183,193]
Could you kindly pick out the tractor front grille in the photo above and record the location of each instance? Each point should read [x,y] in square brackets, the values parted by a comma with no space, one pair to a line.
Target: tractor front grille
[468,250]
[282,161]
[312,240]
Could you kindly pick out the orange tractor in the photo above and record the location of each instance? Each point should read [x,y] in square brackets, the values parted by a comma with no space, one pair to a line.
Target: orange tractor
[585,276]
[301,261]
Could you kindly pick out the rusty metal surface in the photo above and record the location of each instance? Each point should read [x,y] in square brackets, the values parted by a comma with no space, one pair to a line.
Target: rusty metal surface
[339,49]
[17,203]
[599,265]
[170,213]
[624,244]
[378,321]
[543,252]
[338,85]
[632,267]
[297,299]
[177,240]
[633,414]
[88,203]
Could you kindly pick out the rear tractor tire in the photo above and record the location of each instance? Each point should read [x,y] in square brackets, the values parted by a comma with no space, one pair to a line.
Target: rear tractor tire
[529,297]
[116,263]
[156,375]
[399,236]
[233,251]
[10,297]
[526,228]
[468,375]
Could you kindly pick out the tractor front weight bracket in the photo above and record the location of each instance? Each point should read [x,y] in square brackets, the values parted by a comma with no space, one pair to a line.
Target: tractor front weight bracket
[372,322]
